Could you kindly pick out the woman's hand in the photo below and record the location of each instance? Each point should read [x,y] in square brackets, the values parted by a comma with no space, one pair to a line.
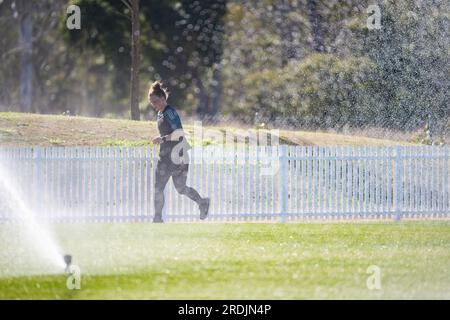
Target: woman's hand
[157,140]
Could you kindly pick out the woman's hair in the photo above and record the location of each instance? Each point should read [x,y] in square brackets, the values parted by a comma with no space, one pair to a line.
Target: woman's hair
[157,88]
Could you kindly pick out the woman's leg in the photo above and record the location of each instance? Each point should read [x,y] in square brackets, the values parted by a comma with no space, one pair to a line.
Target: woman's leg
[179,178]
[162,176]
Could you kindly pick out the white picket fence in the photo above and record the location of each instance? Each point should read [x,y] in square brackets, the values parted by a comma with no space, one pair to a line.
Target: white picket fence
[279,183]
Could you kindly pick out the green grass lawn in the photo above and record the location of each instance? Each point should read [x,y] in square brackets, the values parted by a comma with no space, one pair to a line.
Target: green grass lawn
[236,261]
[27,129]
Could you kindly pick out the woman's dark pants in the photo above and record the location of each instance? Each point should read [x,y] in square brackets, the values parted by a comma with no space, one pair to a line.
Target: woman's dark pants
[165,169]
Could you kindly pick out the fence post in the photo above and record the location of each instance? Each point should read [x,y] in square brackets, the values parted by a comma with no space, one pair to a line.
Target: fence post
[283,191]
[446,188]
[38,181]
[398,183]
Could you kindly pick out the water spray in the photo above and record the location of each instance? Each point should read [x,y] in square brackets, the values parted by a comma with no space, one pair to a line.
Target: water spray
[14,202]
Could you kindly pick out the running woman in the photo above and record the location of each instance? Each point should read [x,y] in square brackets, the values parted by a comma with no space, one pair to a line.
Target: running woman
[171,163]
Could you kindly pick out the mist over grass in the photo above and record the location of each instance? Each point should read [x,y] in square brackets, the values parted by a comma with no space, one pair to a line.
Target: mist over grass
[239,261]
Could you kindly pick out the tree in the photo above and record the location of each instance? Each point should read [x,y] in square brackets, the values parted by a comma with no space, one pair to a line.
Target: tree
[135,57]
[411,53]
[42,81]
[199,31]
[180,41]
[316,25]
[25,14]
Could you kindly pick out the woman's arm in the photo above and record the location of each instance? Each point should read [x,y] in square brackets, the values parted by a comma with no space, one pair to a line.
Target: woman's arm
[174,136]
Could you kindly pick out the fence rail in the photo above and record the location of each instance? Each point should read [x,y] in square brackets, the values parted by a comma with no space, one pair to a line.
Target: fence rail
[279,183]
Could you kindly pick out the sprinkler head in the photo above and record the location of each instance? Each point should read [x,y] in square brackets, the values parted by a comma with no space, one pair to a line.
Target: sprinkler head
[67,261]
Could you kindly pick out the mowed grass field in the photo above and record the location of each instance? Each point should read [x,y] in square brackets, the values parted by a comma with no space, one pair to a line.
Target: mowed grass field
[236,261]
[27,129]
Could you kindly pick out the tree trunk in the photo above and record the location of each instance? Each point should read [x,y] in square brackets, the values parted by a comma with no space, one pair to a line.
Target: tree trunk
[208,96]
[135,60]
[25,10]
[315,20]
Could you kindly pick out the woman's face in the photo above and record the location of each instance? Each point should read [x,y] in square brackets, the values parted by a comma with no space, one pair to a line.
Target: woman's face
[158,103]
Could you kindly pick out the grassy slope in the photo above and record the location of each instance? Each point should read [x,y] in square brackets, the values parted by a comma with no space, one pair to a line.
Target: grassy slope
[21,129]
[232,261]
